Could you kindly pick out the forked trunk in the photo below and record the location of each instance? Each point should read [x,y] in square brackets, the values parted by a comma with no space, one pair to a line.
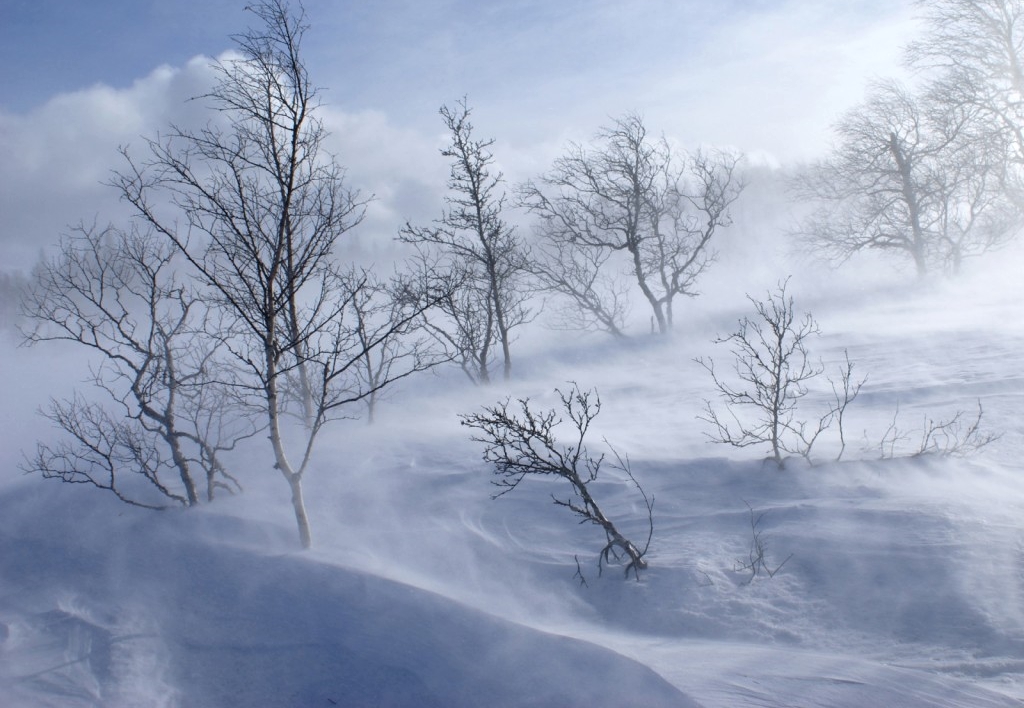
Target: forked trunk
[181,462]
[170,434]
[281,462]
[593,512]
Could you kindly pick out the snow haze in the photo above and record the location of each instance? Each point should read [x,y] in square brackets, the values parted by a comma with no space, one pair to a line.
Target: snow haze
[900,581]
[900,588]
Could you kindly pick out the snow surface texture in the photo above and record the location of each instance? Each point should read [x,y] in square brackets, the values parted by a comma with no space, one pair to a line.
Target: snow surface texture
[904,584]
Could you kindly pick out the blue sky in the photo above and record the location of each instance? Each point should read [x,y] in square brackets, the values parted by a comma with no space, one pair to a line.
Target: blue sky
[49,46]
[402,56]
[764,76]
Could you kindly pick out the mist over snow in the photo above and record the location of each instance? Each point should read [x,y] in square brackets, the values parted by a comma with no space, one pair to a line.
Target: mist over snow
[891,576]
[902,586]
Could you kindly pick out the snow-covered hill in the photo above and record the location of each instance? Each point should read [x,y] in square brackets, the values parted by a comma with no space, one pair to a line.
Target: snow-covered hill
[904,584]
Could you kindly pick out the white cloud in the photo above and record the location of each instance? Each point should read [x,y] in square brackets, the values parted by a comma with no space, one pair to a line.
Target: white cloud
[766,77]
[401,167]
[55,159]
[774,81]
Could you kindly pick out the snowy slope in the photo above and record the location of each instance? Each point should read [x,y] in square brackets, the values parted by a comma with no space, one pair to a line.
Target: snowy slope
[145,612]
[904,584]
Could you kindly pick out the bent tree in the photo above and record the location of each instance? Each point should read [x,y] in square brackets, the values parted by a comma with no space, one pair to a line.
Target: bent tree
[523,442]
[257,207]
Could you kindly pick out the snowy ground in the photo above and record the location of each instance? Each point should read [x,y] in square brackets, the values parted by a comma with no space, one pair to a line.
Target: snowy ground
[904,584]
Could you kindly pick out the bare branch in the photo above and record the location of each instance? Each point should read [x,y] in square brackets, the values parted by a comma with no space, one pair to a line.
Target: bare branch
[957,436]
[629,194]
[117,294]
[523,443]
[756,562]
[772,370]
[472,252]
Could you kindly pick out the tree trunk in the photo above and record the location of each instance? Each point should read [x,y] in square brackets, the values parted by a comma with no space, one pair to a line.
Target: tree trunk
[594,513]
[299,505]
[294,480]
[777,395]
[483,357]
[171,434]
[659,314]
[917,244]
[281,462]
[503,335]
[181,462]
[305,389]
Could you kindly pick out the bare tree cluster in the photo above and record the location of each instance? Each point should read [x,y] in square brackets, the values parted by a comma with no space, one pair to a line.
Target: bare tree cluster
[473,257]
[932,174]
[912,175]
[631,196]
[223,310]
[155,437]
[523,443]
[771,374]
[257,209]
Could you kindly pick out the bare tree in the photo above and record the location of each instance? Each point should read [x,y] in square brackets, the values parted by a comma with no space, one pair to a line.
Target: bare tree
[772,368]
[757,561]
[974,52]
[390,341]
[473,254]
[976,208]
[524,444]
[109,452]
[957,436]
[594,297]
[257,208]
[911,175]
[630,194]
[459,321]
[116,294]
[843,392]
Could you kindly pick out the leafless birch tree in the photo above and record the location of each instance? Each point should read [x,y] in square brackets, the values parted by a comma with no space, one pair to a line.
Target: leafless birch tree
[474,254]
[117,294]
[256,206]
